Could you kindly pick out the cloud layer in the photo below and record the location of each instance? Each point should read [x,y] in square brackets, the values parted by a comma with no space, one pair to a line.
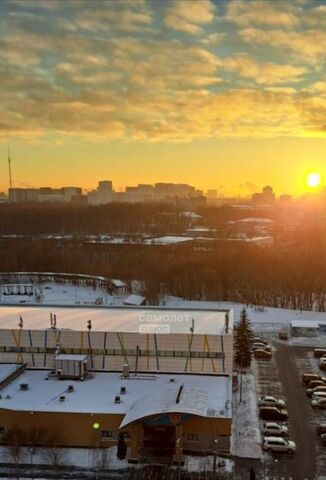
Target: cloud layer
[162,71]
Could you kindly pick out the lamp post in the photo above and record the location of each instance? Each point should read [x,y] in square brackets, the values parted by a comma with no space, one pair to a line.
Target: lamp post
[215,455]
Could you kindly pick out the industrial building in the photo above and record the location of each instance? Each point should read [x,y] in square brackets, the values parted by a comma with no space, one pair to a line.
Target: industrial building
[161,377]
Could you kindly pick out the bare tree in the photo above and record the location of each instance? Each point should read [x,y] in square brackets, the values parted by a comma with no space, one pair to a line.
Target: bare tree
[16,438]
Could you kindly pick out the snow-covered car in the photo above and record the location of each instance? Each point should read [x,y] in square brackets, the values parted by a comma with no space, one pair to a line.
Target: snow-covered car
[275,429]
[259,340]
[278,444]
[261,346]
[318,394]
[310,391]
[260,353]
[323,437]
[319,403]
[269,401]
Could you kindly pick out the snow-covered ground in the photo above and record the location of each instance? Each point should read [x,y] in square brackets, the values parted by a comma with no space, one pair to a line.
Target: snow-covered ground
[82,457]
[271,318]
[246,437]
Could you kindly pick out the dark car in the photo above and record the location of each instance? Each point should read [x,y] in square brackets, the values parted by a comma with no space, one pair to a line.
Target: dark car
[321,429]
[260,353]
[316,383]
[273,413]
[308,377]
[319,352]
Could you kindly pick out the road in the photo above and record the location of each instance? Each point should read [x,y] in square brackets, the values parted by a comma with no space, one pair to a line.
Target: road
[303,464]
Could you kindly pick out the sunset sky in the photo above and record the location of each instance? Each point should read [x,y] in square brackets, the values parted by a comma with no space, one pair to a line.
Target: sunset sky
[219,94]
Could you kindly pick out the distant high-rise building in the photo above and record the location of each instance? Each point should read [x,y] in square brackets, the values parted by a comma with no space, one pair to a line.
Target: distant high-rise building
[266,197]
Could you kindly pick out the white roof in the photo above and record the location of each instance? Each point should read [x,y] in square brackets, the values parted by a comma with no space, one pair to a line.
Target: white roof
[208,396]
[76,358]
[304,324]
[118,283]
[116,319]
[7,369]
[134,300]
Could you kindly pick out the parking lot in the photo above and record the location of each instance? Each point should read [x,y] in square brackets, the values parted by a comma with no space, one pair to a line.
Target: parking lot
[281,377]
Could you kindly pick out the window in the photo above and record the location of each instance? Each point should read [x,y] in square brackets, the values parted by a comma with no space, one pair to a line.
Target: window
[126,435]
[107,434]
[2,431]
[192,437]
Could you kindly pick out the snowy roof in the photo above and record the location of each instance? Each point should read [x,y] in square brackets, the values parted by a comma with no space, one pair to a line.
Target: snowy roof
[192,401]
[117,319]
[75,358]
[145,395]
[118,283]
[167,240]
[134,300]
[7,369]
[304,324]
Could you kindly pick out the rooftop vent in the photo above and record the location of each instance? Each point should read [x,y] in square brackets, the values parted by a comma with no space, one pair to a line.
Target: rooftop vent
[70,388]
[172,380]
[122,390]
[117,399]
[24,386]
[125,370]
[62,398]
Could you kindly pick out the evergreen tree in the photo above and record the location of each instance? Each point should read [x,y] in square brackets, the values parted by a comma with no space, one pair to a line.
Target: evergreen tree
[243,337]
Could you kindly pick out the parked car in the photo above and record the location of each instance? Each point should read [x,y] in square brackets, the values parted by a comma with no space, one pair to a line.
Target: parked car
[259,340]
[319,352]
[322,363]
[323,437]
[275,429]
[268,401]
[259,353]
[316,383]
[319,403]
[283,335]
[278,444]
[318,394]
[308,377]
[273,413]
[310,391]
[321,428]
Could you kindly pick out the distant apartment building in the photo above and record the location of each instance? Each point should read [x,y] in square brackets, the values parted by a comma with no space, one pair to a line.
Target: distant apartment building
[266,197]
[102,194]
[43,194]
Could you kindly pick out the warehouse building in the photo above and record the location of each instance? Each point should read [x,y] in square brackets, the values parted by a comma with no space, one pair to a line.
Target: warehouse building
[160,377]
[147,339]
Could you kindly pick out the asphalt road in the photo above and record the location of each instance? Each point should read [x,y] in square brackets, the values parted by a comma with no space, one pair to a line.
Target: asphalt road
[303,464]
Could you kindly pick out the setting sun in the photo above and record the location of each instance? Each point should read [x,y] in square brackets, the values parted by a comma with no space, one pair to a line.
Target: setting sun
[313,180]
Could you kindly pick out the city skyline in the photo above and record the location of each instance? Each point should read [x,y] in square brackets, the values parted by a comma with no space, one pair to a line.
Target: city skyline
[220,94]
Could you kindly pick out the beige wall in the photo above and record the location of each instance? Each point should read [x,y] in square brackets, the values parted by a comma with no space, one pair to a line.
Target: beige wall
[34,339]
[76,429]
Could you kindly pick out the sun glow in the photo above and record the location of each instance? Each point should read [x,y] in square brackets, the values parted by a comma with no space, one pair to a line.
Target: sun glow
[313,180]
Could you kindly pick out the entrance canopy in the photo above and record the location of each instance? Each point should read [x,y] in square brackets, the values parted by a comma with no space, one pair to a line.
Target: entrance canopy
[177,400]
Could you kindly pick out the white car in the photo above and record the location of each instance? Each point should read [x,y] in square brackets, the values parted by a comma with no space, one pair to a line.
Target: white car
[278,444]
[268,401]
[319,403]
[275,429]
[310,391]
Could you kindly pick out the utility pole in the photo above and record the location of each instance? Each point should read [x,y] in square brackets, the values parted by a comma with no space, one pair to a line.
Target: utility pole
[9,167]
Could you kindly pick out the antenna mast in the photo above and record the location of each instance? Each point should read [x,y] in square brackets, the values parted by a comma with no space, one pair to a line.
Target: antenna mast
[9,166]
